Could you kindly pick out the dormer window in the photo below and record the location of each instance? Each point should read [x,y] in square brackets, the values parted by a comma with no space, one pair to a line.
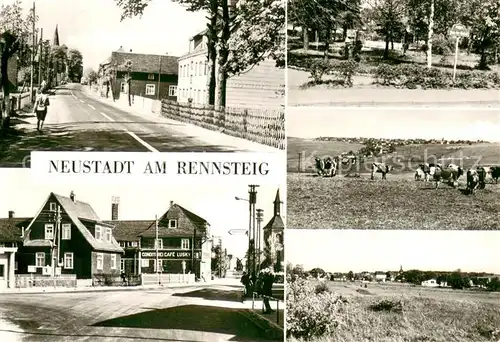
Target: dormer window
[108,235]
[52,206]
[98,232]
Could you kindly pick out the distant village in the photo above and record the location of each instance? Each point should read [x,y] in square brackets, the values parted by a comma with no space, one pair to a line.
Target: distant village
[445,279]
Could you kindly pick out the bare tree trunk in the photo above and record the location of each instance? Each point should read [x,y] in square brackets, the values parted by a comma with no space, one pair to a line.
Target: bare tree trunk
[4,84]
[305,35]
[212,51]
[220,100]
[128,92]
[328,35]
[429,38]
[386,51]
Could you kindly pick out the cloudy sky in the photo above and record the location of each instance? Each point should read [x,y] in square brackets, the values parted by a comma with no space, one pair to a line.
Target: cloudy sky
[373,250]
[94,27]
[472,124]
[214,201]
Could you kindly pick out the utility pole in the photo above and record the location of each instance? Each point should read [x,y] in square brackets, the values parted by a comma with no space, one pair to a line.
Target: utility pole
[40,58]
[32,55]
[159,77]
[260,218]
[251,233]
[192,254]
[156,248]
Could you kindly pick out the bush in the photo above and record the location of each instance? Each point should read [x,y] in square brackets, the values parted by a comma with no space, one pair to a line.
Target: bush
[388,305]
[318,67]
[347,69]
[386,74]
[310,314]
[321,288]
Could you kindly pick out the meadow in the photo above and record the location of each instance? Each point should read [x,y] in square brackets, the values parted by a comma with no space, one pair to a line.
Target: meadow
[400,202]
[422,314]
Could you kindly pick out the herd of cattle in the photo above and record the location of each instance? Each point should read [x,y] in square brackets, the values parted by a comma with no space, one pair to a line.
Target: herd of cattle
[476,177]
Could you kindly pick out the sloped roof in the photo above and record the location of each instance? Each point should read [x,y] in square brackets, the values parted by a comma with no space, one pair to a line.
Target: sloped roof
[80,210]
[275,223]
[129,230]
[200,221]
[147,63]
[11,229]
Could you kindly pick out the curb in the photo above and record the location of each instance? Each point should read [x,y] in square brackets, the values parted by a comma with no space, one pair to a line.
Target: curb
[270,329]
[51,290]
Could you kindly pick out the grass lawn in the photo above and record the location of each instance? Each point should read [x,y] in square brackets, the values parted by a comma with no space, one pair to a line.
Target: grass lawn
[437,315]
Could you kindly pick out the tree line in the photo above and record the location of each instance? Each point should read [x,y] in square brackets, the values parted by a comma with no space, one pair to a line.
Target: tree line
[403,20]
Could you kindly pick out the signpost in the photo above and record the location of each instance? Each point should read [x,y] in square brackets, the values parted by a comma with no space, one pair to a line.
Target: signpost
[237,232]
[457,31]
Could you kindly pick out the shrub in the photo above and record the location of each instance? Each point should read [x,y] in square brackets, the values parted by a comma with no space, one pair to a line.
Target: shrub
[310,314]
[346,69]
[388,305]
[318,67]
[386,74]
[321,288]
[472,79]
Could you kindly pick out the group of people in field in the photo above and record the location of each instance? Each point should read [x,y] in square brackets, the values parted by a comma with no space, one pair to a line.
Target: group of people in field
[261,285]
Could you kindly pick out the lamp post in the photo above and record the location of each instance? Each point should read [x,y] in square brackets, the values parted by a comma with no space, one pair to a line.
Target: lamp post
[252,199]
[260,218]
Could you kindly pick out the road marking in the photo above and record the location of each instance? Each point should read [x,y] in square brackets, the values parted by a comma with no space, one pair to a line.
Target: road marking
[91,106]
[81,101]
[133,135]
[73,94]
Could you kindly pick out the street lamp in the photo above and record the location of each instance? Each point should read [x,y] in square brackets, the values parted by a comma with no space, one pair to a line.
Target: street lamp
[252,199]
[260,218]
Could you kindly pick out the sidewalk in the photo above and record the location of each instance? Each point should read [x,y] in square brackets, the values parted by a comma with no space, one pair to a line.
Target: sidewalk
[206,135]
[32,290]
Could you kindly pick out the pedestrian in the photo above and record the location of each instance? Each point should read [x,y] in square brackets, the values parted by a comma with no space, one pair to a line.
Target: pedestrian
[40,108]
[267,288]
[245,280]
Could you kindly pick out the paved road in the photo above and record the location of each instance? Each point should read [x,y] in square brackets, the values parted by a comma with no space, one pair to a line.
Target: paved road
[80,121]
[182,314]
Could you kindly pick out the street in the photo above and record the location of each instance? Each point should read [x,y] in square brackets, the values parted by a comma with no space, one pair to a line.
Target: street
[191,313]
[78,121]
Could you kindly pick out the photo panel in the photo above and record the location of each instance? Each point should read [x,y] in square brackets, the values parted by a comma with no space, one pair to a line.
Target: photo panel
[100,76]
[374,168]
[392,285]
[386,53]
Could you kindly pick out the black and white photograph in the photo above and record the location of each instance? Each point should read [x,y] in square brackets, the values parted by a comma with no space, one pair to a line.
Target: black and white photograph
[392,285]
[393,168]
[141,262]
[393,53]
[141,76]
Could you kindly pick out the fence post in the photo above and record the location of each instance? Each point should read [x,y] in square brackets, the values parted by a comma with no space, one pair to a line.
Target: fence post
[277,311]
[253,300]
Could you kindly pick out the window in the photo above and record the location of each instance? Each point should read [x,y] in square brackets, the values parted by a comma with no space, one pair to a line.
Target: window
[122,87]
[122,243]
[159,267]
[68,261]
[49,231]
[172,90]
[133,243]
[145,263]
[151,77]
[108,234]
[100,260]
[113,261]
[150,89]
[185,244]
[205,68]
[98,232]
[66,231]
[40,259]
[52,206]
[172,223]
[159,244]
[122,265]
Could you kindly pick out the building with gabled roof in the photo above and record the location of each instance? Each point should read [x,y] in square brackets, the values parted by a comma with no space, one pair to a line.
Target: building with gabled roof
[184,243]
[68,236]
[274,248]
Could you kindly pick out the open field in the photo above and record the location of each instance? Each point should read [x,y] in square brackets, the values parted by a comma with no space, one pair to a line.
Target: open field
[437,315]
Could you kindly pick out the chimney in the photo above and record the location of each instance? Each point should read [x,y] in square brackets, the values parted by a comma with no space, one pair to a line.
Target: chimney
[11,214]
[22,231]
[72,196]
[171,204]
[130,50]
[115,201]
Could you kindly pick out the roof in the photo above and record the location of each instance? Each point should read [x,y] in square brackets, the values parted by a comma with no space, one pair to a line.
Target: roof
[11,228]
[195,220]
[275,223]
[147,63]
[80,210]
[129,230]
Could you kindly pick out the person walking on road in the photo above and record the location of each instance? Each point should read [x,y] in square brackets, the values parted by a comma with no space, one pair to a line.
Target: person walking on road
[245,280]
[267,288]
[40,108]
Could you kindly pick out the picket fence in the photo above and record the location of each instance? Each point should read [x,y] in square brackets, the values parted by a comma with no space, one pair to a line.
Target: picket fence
[264,126]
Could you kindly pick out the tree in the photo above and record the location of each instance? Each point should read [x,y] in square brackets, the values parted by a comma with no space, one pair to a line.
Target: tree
[59,60]
[219,261]
[126,69]
[350,275]
[75,65]
[91,76]
[14,32]
[389,14]
[317,272]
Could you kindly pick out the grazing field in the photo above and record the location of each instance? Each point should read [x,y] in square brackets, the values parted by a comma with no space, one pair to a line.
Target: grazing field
[397,203]
[425,314]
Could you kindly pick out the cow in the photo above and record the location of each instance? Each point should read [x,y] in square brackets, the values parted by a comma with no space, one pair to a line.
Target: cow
[382,168]
[429,169]
[449,174]
[419,174]
[320,166]
[330,166]
[473,180]
[495,173]
[482,172]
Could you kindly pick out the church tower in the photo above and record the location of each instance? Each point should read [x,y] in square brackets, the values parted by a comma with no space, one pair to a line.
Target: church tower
[55,40]
[274,251]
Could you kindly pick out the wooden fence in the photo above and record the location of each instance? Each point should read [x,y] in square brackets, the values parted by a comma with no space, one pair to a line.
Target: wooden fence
[166,278]
[36,280]
[259,125]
